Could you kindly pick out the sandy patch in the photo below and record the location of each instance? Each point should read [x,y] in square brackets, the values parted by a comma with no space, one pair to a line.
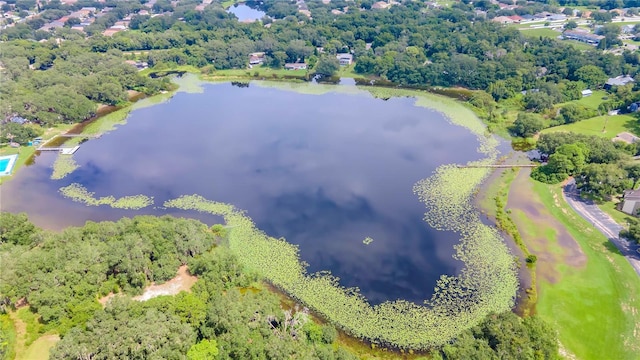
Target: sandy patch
[182,282]
[103,300]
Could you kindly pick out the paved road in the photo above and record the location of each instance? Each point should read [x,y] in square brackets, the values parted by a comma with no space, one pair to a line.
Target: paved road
[603,222]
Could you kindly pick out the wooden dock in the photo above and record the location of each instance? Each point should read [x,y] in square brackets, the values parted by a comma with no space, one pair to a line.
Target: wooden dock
[81,135]
[499,166]
[62,150]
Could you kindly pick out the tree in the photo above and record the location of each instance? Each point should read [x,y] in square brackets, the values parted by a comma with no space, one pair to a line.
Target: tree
[204,350]
[591,75]
[327,66]
[527,125]
[570,25]
[610,33]
[572,112]
[16,229]
[603,180]
[538,101]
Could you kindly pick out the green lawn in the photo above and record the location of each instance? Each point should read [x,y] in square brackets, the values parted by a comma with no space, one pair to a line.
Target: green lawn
[541,32]
[592,101]
[594,308]
[612,125]
[39,350]
[257,71]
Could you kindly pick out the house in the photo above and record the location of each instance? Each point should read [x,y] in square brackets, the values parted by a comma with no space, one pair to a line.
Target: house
[516,19]
[627,29]
[583,36]
[344,59]
[111,31]
[587,92]
[380,5]
[618,81]
[295,66]
[528,17]
[502,20]
[18,120]
[626,137]
[630,202]
[256,58]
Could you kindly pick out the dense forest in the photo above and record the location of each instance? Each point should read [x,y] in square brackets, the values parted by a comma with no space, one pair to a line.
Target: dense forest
[405,45]
[228,314]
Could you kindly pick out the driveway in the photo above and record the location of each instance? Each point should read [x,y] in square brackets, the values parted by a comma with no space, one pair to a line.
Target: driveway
[603,222]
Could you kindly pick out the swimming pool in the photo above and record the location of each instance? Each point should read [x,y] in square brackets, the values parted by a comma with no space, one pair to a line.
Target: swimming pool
[6,164]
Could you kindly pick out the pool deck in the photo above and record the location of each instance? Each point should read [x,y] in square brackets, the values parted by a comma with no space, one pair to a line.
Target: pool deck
[12,162]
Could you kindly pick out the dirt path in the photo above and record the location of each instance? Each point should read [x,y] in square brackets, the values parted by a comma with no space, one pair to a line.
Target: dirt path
[544,235]
[182,282]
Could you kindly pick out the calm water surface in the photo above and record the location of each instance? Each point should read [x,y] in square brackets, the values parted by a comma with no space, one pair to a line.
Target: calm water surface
[245,13]
[323,171]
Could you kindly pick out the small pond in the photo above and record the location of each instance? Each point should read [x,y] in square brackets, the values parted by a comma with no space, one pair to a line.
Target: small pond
[325,171]
[245,13]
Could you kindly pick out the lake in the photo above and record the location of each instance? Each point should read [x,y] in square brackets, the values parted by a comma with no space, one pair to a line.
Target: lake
[245,13]
[323,171]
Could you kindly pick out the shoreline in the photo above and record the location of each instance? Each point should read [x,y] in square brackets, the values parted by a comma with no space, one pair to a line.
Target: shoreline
[439,103]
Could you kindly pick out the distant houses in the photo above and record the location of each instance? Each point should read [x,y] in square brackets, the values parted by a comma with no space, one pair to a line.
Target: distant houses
[256,58]
[583,36]
[618,81]
[140,65]
[587,92]
[345,59]
[631,202]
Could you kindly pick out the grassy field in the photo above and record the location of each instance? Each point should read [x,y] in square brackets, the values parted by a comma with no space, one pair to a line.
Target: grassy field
[8,336]
[594,307]
[258,71]
[39,350]
[612,125]
[540,32]
[593,101]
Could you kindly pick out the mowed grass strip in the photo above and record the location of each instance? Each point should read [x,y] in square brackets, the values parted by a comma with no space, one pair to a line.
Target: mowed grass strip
[40,348]
[595,308]
[603,126]
[540,32]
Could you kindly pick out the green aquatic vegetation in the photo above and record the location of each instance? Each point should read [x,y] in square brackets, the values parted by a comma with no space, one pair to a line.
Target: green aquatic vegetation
[487,283]
[79,193]
[63,166]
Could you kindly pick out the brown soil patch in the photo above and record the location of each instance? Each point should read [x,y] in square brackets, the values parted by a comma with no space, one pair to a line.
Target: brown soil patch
[103,300]
[523,198]
[182,282]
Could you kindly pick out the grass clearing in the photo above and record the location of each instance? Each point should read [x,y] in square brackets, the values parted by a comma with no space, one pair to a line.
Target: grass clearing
[612,125]
[595,308]
[593,101]
[32,322]
[540,32]
[258,72]
[9,336]
[39,350]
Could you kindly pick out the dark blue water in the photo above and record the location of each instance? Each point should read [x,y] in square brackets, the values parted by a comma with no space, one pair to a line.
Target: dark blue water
[323,171]
[245,13]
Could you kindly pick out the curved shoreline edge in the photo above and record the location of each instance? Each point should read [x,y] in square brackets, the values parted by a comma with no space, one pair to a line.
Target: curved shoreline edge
[488,282]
